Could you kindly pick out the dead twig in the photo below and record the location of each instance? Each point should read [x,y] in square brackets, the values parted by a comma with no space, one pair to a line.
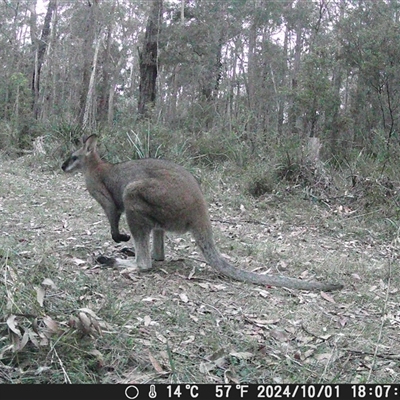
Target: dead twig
[243,221]
[374,353]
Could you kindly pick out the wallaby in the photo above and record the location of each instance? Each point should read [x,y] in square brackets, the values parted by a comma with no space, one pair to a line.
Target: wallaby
[157,196]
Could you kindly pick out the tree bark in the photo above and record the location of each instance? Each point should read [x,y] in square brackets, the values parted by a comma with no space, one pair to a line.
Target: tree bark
[39,57]
[87,49]
[293,109]
[89,114]
[148,61]
[105,65]
[283,97]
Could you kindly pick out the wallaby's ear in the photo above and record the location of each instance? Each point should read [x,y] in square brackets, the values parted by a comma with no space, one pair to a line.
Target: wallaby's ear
[90,143]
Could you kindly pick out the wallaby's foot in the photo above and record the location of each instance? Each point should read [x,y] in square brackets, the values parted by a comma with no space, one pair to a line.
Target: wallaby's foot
[120,237]
[117,262]
[128,251]
[107,261]
[123,263]
[144,266]
[157,257]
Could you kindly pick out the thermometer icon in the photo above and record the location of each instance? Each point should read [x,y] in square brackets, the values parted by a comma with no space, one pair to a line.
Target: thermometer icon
[152,393]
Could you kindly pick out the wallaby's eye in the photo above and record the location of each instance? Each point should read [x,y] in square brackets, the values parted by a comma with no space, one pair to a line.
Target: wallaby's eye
[74,158]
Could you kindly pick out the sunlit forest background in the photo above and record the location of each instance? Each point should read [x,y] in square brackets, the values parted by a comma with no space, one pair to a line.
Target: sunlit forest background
[281,86]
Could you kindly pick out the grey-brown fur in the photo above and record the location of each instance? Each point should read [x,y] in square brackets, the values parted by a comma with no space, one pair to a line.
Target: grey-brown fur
[158,196]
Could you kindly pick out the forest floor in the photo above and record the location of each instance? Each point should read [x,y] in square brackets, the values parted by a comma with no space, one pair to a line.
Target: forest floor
[64,318]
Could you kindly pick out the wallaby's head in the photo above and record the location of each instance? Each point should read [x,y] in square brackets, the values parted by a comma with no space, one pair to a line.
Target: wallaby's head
[81,157]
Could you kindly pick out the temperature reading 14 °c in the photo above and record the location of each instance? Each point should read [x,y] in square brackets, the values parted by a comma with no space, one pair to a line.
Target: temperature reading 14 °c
[179,390]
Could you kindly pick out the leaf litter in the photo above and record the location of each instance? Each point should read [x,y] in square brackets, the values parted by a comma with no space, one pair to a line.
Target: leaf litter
[181,321]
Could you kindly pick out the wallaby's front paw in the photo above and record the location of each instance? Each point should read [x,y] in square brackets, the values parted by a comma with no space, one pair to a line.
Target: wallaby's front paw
[121,237]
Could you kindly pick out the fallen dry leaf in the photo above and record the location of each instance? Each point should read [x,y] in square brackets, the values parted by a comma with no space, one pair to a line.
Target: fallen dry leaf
[204,285]
[307,354]
[156,365]
[85,321]
[33,338]
[280,335]
[21,343]
[161,338]
[189,340]
[327,297]
[218,287]
[150,299]
[12,324]
[206,367]
[356,277]
[99,357]
[264,293]
[78,261]
[243,355]
[40,293]
[89,311]
[192,273]
[51,324]
[230,376]
[5,349]
[49,282]
[184,297]
[323,356]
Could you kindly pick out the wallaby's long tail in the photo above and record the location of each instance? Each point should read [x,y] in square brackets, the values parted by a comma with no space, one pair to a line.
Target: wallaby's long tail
[215,259]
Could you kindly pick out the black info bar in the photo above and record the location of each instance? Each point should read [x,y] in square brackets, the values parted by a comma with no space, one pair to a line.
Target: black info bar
[200,392]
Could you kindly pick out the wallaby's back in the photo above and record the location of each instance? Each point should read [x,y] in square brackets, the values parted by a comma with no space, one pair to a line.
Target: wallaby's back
[173,196]
[118,176]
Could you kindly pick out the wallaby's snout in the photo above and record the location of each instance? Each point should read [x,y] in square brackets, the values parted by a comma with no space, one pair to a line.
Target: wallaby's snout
[69,164]
[65,165]
[74,162]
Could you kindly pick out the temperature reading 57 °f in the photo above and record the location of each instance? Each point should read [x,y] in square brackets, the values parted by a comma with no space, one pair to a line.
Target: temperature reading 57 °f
[223,391]
[178,390]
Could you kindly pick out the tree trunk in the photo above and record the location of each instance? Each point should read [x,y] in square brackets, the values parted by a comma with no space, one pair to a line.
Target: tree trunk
[39,57]
[174,95]
[87,49]
[293,108]
[251,70]
[51,87]
[110,111]
[104,87]
[34,40]
[148,61]
[89,114]
[333,125]
[282,96]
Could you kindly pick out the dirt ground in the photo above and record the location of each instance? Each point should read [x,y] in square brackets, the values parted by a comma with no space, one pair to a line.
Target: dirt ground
[64,318]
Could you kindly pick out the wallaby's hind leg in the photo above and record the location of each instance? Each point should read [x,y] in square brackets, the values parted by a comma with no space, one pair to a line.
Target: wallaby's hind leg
[140,228]
[142,247]
[158,244]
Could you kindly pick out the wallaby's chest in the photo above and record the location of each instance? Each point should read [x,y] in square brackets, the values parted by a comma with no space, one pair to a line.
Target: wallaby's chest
[106,191]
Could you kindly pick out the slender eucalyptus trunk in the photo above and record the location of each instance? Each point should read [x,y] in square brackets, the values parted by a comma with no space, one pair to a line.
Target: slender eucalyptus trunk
[148,61]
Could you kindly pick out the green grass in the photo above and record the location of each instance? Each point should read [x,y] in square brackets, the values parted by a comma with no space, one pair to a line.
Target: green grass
[99,325]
